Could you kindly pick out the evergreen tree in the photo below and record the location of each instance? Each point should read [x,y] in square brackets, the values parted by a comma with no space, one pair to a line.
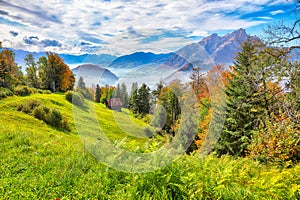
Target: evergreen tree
[98,94]
[81,83]
[133,100]
[124,95]
[157,91]
[241,113]
[143,99]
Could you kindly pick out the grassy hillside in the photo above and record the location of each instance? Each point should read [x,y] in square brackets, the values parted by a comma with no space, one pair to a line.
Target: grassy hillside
[41,162]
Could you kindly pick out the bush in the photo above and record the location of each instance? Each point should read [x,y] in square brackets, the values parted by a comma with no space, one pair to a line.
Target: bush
[43,91]
[51,117]
[75,98]
[22,91]
[28,107]
[278,143]
[65,125]
[40,112]
[54,118]
[4,92]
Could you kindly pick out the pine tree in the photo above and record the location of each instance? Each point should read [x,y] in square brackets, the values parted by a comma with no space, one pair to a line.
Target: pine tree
[81,83]
[124,95]
[144,99]
[98,94]
[133,102]
[241,111]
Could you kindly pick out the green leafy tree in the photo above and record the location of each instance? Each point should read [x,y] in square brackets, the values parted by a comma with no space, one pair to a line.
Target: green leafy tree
[32,78]
[159,117]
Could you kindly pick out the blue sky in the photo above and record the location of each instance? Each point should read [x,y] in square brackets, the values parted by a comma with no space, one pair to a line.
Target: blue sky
[121,27]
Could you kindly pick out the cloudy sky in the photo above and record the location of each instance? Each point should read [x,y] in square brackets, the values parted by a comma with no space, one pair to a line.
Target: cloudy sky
[124,26]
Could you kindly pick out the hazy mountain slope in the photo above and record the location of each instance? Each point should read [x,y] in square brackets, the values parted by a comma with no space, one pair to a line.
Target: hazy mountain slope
[93,74]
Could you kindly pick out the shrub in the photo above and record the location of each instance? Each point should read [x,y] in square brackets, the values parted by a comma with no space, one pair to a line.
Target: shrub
[23,90]
[29,106]
[279,143]
[65,125]
[43,91]
[52,117]
[4,92]
[75,98]
[40,112]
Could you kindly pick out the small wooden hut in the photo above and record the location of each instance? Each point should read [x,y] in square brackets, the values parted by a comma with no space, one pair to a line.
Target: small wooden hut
[114,104]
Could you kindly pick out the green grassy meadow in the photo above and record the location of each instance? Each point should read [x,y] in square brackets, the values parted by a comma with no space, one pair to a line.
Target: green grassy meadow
[39,161]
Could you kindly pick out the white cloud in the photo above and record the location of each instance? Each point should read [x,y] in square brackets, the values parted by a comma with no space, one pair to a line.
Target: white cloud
[124,24]
[276,12]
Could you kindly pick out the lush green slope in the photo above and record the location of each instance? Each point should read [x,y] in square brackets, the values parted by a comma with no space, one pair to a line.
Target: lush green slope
[41,162]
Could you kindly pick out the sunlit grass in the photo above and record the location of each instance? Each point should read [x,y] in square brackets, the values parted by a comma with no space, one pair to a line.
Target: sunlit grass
[41,162]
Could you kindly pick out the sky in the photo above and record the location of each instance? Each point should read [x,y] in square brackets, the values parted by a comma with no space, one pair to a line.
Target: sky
[120,27]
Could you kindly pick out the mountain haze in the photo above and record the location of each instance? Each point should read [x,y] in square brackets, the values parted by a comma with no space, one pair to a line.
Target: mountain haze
[94,74]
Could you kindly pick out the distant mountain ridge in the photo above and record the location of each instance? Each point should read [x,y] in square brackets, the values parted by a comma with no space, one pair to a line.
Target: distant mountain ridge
[210,51]
[94,74]
[102,60]
[139,58]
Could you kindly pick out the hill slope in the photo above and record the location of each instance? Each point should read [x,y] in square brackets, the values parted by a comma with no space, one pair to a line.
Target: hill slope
[41,162]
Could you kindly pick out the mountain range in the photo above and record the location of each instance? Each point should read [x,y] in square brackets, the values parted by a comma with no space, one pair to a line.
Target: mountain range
[210,51]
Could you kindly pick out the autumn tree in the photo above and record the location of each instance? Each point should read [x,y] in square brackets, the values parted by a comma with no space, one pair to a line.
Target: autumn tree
[10,73]
[55,75]
[197,81]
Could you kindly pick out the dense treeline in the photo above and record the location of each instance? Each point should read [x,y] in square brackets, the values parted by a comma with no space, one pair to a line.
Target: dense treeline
[262,117]
[49,72]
